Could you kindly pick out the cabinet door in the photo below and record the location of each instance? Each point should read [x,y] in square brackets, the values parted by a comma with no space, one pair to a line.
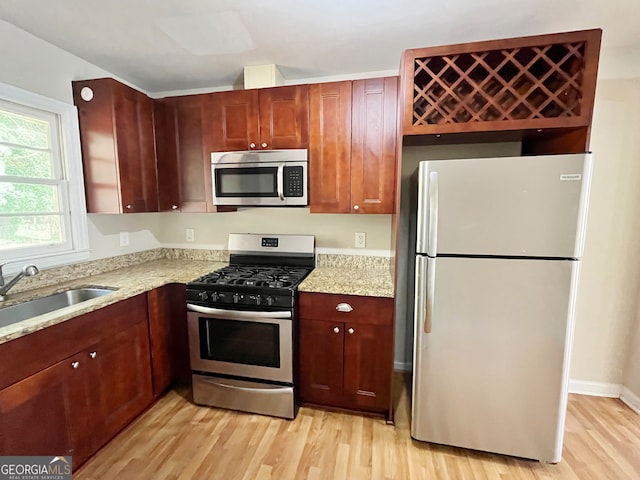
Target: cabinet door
[147,161]
[45,414]
[330,147]
[284,117]
[234,120]
[168,335]
[166,155]
[119,385]
[373,145]
[321,361]
[368,365]
[194,161]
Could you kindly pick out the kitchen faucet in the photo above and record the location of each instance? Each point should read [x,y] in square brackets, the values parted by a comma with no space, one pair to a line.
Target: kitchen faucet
[27,271]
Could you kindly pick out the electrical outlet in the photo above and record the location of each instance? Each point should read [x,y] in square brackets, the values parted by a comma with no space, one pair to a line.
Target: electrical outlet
[190,234]
[124,239]
[361,239]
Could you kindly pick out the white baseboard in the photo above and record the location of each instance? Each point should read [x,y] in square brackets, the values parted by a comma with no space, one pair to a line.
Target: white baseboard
[631,399]
[402,366]
[596,389]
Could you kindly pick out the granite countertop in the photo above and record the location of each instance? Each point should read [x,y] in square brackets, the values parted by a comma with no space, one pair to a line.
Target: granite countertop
[129,281]
[370,282]
[347,275]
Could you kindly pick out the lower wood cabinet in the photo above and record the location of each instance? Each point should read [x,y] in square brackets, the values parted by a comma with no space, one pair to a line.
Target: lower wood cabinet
[95,382]
[168,335]
[346,351]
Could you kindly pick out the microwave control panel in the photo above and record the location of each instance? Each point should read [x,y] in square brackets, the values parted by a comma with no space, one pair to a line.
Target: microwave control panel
[293,181]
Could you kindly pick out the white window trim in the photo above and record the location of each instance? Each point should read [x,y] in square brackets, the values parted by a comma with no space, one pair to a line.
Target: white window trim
[72,160]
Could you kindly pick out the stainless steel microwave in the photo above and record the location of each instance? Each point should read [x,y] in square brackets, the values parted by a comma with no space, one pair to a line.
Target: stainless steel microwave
[261,178]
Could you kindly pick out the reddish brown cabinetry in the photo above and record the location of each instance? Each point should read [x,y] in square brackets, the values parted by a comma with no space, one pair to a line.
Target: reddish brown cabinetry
[168,336]
[346,356]
[259,119]
[118,151]
[539,88]
[352,148]
[73,386]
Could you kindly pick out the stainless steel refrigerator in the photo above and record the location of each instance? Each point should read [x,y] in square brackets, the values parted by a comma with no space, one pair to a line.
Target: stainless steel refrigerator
[498,243]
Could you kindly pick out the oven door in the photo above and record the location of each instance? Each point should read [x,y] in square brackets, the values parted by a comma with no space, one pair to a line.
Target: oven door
[255,345]
[260,184]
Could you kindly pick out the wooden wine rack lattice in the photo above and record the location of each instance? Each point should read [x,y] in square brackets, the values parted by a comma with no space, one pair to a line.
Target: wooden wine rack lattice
[526,83]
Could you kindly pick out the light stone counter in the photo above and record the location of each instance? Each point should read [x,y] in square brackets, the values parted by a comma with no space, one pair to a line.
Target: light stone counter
[350,275]
[130,281]
[370,282]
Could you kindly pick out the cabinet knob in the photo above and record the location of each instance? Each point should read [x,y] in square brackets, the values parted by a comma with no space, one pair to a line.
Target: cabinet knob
[336,330]
[351,330]
[75,364]
[252,145]
[356,207]
[174,207]
[264,144]
[344,307]
[93,354]
[128,206]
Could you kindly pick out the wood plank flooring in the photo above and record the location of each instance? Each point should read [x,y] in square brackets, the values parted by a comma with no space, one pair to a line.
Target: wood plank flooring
[178,440]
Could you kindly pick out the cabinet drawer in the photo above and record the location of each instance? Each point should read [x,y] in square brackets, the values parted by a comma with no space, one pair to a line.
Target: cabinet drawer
[368,310]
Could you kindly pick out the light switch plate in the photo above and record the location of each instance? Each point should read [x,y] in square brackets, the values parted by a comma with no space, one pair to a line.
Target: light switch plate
[124,239]
[361,239]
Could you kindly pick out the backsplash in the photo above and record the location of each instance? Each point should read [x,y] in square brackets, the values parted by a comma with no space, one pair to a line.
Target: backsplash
[351,261]
[95,267]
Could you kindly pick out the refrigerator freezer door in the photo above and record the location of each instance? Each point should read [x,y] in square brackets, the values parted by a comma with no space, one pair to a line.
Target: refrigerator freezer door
[492,373]
[516,206]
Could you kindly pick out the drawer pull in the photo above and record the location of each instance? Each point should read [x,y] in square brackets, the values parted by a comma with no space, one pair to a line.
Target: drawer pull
[336,330]
[75,364]
[351,330]
[93,354]
[344,307]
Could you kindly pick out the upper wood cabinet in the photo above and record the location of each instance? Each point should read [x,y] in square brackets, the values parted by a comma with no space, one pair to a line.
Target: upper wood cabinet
[352,147]
[118,151]
[527,84]
[168,170]
[330,147]
[266,118]
[184,153]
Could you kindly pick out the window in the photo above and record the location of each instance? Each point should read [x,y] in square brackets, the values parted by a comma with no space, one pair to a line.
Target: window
[42,206]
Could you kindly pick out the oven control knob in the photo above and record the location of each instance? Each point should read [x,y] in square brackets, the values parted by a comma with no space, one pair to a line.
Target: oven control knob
[255,299]
[213,297]
[203,296]
[236,298]
[269,299]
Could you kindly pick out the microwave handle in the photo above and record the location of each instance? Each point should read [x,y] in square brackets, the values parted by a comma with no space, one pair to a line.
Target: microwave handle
[280,181]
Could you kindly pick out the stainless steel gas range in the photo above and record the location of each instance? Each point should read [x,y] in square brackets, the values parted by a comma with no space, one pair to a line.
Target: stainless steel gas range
[241,322]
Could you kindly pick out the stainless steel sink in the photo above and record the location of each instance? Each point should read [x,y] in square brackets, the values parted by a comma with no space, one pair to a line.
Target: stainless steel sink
[39,306]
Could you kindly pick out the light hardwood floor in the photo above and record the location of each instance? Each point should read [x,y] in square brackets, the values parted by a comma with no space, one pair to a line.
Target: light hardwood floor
[178,440]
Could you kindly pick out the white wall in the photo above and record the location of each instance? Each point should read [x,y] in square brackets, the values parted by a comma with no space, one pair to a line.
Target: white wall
[607,301]
[331,231]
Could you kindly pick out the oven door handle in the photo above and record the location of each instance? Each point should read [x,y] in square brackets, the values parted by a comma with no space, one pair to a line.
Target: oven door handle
[238,314]
[280,181]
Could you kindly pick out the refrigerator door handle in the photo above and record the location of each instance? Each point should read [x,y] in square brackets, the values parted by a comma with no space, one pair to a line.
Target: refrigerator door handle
[433,214]
[425,291]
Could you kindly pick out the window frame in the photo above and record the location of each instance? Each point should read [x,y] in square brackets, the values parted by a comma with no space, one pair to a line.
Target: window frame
[74,209]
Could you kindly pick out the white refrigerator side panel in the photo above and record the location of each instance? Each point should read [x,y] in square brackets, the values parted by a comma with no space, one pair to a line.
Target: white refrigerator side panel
[492,373]
[512,206]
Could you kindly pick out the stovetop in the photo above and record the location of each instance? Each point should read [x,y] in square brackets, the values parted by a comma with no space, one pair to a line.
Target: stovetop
[264,277]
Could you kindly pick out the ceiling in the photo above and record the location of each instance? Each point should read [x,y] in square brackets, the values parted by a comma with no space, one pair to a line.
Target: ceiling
[169,45]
